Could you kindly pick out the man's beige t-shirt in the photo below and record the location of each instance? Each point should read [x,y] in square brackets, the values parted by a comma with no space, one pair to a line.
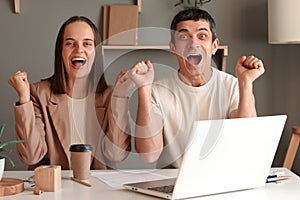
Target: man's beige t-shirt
[180,105]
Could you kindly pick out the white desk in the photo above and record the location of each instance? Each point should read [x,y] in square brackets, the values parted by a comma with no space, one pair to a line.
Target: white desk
[286,190]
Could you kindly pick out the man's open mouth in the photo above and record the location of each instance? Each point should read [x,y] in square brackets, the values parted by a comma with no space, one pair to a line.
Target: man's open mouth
[194,59]
[78,62]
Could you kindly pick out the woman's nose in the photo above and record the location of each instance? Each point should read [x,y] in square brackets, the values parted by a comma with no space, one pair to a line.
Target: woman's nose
[79,48]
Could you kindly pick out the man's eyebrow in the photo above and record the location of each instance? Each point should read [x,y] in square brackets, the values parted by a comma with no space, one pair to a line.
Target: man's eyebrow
[202,29]
[185,30]
[182,30]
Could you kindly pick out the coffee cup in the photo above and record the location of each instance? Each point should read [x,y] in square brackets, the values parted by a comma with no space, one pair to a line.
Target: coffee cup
[81,157]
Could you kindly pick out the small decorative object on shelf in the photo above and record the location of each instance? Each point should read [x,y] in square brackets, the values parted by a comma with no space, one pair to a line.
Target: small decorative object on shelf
[17,6]
[120,22]
[192,3]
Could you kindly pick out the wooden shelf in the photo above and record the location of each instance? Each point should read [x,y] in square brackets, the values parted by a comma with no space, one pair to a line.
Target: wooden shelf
[219,58]
[137,47]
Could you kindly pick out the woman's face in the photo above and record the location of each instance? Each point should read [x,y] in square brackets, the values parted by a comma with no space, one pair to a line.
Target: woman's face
[78,50]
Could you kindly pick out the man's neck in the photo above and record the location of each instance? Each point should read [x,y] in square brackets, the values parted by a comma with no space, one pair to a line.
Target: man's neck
[198,80]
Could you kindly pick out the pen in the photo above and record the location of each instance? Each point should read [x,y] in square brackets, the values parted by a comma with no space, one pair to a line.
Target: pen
[275,178]
[81,182]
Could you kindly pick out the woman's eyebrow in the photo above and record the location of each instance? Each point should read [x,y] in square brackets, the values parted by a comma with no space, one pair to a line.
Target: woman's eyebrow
[85,39]
[88,39]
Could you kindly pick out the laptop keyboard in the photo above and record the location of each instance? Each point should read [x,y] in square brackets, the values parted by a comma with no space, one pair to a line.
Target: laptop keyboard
[164,189]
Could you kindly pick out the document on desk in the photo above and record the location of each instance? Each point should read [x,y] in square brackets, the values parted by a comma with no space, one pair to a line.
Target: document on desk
[117,178]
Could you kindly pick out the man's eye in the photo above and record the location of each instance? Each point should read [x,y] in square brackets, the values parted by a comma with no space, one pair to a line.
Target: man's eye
[202,36]
[183,37]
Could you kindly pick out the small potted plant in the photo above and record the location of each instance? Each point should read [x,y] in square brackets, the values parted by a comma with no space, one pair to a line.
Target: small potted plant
[191,3]
[4,151]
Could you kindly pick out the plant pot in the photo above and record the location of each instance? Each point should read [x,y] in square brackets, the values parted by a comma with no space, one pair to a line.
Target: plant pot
[2,166]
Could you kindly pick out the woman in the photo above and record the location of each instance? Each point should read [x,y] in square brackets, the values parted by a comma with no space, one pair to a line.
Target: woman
[70,107]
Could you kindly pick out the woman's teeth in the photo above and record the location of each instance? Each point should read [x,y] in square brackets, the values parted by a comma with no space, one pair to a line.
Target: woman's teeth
[78,62]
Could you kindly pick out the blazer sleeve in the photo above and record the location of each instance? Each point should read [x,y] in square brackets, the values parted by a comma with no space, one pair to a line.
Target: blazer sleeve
[30,127]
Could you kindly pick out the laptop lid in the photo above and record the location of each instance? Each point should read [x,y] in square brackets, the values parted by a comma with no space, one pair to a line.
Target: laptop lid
[223,156]
[228,155]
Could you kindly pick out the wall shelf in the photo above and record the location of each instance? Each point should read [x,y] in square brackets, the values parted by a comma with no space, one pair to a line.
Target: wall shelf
[219,58]
[137,47]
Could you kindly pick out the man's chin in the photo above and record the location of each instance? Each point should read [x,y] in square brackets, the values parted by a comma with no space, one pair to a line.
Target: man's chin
[195,69]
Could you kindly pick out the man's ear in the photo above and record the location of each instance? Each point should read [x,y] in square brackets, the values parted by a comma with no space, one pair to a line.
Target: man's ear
[215,46]
[172,48]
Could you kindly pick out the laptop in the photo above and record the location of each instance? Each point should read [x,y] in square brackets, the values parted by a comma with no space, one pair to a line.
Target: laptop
[222,156]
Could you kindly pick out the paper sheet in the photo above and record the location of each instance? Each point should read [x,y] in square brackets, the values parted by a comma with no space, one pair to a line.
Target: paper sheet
[116,179]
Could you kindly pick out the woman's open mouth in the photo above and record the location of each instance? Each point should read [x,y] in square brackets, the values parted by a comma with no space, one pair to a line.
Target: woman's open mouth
[78,62]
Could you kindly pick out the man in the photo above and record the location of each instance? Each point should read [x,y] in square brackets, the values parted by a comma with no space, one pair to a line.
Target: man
[167,109]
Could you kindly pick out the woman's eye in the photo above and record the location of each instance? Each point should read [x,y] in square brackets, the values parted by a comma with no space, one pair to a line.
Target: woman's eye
[88,44]
[69,43]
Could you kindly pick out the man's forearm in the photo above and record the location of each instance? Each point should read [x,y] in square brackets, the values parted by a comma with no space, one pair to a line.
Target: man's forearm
[148,132]
[246,107]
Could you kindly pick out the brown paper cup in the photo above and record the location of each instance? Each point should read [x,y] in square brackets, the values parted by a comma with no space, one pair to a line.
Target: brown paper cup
[81,155]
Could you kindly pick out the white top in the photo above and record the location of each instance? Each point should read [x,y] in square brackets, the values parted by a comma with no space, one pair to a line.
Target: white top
[77,116]
[181,105]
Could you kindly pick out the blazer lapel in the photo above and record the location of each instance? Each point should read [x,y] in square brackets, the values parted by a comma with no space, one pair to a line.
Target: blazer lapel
[58,110]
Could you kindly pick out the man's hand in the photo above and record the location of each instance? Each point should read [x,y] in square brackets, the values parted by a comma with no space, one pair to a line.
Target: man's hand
[20,83]
[249,68]
[142,73]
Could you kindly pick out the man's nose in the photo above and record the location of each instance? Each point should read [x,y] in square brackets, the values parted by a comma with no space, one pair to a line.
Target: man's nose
[194,43]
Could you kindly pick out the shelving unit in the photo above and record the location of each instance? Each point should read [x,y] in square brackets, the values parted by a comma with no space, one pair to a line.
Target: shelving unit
[219,58]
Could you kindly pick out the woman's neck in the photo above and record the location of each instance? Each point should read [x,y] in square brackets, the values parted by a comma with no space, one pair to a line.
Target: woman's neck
[78,88]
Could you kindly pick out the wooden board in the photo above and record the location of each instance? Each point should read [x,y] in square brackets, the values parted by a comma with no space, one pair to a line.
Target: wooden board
[122,24]
[9,186]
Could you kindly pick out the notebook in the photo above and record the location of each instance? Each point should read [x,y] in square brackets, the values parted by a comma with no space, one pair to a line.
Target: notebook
[222,156]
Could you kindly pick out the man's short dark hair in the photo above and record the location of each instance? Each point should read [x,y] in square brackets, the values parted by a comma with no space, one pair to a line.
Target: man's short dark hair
[193,14]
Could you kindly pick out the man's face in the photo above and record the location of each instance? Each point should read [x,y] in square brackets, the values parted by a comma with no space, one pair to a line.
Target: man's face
[193,46]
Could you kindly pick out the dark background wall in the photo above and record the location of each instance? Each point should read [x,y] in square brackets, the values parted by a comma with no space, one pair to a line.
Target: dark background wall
[27,42]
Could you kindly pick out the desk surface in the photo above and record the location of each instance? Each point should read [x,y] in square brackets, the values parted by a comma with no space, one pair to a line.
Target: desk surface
[287,190]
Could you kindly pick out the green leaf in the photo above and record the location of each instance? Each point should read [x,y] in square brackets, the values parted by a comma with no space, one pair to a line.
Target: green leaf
[3,150]
[10,142]
[1,129]
[9,159]
[3,145]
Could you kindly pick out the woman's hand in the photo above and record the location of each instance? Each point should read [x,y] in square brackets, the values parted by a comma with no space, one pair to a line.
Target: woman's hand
[20,83]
